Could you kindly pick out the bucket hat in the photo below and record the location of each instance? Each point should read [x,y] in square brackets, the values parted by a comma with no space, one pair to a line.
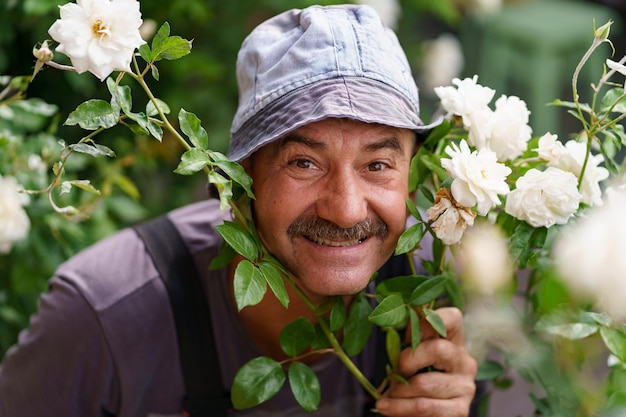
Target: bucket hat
[306,65]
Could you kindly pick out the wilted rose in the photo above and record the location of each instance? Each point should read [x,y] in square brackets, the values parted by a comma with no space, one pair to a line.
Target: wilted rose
[449,218]
[98,36]
[544,198]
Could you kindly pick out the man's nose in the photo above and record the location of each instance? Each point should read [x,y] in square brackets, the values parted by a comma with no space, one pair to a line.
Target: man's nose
[343,199]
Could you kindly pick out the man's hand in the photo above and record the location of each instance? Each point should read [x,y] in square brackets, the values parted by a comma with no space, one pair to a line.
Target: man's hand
[445,392]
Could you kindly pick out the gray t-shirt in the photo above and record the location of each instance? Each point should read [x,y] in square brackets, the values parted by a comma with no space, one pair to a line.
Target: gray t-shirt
[103,339]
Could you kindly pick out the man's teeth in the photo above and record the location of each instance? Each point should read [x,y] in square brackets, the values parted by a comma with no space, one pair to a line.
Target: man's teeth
[333,243]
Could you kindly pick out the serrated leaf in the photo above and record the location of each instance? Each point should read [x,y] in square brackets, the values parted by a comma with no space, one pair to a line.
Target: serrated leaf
[93,150]
[436,321]
[489,370]
[275,281]
[240,239]
[192,127]
[151,109]
[92,115]
[297,336]
[358,328]
[168,47]
[234,170]
[393,344]
[192,161]
[305,386]
[337,314]
[402,285]
[409,239]
[615,341]
[121,98]
[250,286]
[256,382]
[429,290]
[390,312]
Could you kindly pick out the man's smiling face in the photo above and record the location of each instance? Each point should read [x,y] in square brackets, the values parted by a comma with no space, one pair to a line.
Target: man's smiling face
[330,201]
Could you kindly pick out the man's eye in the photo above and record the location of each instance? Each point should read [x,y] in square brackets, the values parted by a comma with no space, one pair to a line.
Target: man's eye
[377,166]
[302,163]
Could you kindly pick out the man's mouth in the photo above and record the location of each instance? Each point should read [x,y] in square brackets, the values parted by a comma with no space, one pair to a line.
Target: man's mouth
[335,243]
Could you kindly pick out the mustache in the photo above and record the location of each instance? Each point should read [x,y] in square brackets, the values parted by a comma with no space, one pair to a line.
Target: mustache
[317,228]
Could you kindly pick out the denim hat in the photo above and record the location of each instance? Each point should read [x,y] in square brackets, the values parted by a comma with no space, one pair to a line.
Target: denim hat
[307,65]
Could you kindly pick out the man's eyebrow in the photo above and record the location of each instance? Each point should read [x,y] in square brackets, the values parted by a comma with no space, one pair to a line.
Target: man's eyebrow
[295,137]
[388,143]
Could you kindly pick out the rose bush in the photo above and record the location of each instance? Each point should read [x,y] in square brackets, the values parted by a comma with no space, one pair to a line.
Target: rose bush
[496,198]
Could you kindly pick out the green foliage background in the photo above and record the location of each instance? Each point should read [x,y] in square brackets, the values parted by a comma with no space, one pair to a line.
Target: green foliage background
[139,182]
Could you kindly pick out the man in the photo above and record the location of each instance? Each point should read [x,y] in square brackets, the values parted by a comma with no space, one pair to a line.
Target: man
[326,128]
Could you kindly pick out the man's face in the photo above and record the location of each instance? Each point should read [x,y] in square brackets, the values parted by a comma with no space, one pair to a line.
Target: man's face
[330,201]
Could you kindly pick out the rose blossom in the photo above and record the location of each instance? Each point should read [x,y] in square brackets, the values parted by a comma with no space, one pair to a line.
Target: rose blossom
[478,177]
[449,219]
[14,222]
[98,36]
[509,131]
[544,198]
[571,157]
[590,255]
[470,101]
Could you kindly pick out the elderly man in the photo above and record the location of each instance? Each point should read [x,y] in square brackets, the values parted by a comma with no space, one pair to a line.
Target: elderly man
[326,127]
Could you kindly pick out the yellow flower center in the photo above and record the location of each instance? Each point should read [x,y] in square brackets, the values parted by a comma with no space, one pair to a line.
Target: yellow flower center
[100,30]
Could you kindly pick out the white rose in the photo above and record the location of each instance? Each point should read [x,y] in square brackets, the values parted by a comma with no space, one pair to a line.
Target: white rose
[14,222]
[449,220]
[590,255]
[442,62]
[98,36]
[544,198]
[550,149]
[483,259]
[478,177]
[509,131]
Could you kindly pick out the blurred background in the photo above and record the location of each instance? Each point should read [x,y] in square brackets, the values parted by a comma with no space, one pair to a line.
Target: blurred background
[527,48]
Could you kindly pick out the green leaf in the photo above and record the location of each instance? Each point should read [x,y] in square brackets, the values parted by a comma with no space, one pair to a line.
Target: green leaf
[147,124]
[250,287]
[305,386]
[410,204]
[121,98]
[192,161]
[338,314]
[489,370]
[297,336]
[393,344]
[240,239]
[429,291]
[403,285]
[225,255]
[145,52]
[615,341]
[154,71]
[416,329]
[358,328]
[435,320]
[151,108]
[390,312]
[192,127]
[275,280]
[168,47]
[94,150]
[234,170]
[571,331]
[614,97]
[409,239]
[92,115]
[256,382]
[85,185]
[224,188]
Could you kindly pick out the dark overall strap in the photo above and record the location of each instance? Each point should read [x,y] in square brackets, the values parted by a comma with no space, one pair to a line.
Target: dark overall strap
[205,395]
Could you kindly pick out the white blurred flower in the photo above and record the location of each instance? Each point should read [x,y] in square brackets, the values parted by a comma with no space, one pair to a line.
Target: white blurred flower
[35,163]
[449,219]
[544,198]
[509,131]
[470,101]
[478,177]
[442,62]
[486,6]
[388,10]
[590,255]
[14,222]
[483,259]
[98,36]
[571,157]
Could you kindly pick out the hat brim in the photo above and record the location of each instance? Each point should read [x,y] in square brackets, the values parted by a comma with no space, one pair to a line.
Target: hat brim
[356,98]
